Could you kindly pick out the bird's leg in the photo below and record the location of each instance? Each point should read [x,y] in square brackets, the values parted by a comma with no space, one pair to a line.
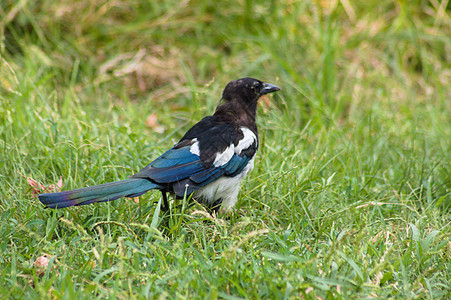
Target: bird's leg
[165,206]
[215,207]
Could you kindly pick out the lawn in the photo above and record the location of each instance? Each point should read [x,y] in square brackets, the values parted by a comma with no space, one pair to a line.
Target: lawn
[350,196]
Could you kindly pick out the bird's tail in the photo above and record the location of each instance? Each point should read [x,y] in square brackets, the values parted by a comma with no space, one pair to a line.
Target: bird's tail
[133,187]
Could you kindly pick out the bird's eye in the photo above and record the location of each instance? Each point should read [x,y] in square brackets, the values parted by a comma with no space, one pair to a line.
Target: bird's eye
[256,85]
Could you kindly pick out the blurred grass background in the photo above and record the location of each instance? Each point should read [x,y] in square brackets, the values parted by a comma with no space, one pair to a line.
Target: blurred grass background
[350,196]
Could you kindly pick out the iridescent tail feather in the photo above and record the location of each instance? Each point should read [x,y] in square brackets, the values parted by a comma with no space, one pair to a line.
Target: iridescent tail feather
[99,193]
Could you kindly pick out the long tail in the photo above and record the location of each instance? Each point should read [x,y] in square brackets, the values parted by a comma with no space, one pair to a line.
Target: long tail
[133,187]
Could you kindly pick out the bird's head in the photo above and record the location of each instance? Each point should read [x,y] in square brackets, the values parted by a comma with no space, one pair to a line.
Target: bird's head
[247,89]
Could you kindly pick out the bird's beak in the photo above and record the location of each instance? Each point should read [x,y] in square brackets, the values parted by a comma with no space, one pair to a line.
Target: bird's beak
[269,88]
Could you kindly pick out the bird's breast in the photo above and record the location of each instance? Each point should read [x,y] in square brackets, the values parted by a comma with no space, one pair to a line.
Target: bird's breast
[224,189]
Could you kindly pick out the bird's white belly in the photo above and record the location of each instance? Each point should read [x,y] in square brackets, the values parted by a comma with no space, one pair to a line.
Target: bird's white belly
[225,188]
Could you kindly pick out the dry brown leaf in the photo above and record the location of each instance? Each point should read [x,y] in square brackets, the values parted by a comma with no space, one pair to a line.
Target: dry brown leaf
[38,188]
[152,122]
[41,264]
[266,101]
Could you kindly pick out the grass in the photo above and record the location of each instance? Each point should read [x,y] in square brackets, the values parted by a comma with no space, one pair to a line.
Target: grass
[350,196]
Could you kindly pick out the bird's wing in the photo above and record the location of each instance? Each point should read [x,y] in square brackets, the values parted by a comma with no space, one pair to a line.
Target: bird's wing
[176,164]
[218,150]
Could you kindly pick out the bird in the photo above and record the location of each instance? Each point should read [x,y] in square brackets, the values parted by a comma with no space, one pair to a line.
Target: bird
[208,163]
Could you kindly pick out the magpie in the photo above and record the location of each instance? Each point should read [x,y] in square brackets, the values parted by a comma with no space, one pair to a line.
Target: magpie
[208,163]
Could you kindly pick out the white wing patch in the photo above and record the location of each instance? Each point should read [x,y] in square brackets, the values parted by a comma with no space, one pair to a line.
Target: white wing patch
[224,157]
[248,139]
[194,149]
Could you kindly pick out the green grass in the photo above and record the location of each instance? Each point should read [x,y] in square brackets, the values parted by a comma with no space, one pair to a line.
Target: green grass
[351,193]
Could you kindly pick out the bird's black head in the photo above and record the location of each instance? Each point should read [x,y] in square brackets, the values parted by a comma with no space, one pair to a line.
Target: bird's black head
[247,89]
